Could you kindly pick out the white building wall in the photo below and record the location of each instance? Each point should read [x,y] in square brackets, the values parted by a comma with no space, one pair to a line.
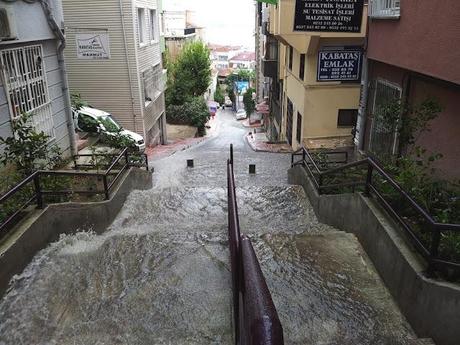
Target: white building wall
[31,27]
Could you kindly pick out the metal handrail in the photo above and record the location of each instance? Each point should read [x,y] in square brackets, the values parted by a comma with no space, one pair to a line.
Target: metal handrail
[255,318]
[38,192]
[436,228]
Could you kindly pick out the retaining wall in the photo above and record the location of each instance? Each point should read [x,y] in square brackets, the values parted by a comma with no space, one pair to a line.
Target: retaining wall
[45,226]
[432,307]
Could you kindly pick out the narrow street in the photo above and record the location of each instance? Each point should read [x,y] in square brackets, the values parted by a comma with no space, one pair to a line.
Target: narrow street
[160,274]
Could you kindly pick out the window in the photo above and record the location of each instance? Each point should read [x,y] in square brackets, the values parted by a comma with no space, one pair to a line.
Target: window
[26,86]
[347,117]
[299,128]
[302,66]
[153,25]
[141,25]
[385,8]
[291,53]
[383,136]
[153,83]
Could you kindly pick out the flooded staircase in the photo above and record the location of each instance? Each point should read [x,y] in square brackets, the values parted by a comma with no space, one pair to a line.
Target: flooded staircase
[161,275]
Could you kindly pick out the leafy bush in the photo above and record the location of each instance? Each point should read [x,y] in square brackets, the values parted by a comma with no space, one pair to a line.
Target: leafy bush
[77,102]
[219,96]
[193,112]
[28,149]
[248,101]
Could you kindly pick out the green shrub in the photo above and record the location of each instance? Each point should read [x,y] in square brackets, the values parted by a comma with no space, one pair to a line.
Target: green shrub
[219,96]
[194,112]
[248,101]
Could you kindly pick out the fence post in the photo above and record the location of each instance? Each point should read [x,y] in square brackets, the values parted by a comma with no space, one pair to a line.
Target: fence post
[370,168]
[38,191]
[127,157]
[106,187]
[320,183]
[146,162]
[434,250]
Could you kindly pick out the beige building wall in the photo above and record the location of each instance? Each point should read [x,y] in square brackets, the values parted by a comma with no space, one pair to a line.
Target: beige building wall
[317,102]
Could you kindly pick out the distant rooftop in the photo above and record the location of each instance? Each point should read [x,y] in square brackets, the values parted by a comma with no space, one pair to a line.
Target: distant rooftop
[244,56]
[222,48]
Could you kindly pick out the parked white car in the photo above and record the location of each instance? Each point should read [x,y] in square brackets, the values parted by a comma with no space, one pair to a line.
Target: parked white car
[241,114]
[92,120]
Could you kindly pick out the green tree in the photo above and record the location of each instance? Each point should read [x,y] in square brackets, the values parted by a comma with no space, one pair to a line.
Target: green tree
[190,74]
[231,95]
[248,101]
[246,74]
[219,96]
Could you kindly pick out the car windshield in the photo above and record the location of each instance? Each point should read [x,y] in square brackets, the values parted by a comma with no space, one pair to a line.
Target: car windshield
[110,124]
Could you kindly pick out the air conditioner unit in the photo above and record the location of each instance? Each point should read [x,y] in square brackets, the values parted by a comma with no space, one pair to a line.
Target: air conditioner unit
[7,25]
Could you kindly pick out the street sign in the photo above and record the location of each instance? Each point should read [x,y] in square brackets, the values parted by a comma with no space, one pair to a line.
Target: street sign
[328,15]
[339,64]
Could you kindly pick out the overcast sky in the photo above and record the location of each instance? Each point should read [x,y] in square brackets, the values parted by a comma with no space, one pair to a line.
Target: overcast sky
[226,21]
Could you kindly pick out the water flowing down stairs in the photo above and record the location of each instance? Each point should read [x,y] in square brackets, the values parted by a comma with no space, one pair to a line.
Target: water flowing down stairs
[161,275]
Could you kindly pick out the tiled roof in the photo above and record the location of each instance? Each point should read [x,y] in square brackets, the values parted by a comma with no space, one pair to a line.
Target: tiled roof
[244,56]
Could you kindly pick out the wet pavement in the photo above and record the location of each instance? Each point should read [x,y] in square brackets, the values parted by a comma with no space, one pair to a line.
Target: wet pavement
[160,274]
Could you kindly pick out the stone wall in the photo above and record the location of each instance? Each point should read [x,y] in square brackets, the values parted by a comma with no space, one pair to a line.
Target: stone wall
[432,307]
[45,226]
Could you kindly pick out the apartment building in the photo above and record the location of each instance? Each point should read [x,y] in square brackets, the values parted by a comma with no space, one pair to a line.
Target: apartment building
[179,29]
[262,81]
[243,60]
[33,78]
[411,56]
[114,61]
[313,56]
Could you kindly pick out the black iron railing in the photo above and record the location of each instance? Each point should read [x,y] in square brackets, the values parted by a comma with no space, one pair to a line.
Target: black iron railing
[369,176]
[50,186]
[255,318]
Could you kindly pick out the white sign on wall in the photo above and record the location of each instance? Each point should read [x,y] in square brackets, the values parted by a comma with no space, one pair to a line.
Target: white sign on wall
[93,46]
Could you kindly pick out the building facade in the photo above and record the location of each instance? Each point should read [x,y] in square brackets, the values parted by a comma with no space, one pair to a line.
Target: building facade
[313,55]
[243,60]
[33,78]
[114,62]
[411,58]
[178,31]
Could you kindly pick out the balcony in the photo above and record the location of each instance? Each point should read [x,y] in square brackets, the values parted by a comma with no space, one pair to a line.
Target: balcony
[269,68]
[384,9]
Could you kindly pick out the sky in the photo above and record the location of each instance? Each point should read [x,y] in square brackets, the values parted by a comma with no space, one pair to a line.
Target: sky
[229,22]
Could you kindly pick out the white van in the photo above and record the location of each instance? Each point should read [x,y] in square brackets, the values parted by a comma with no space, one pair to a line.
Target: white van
[92,120]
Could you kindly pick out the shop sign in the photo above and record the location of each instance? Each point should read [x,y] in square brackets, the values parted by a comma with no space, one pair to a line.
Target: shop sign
[328,15]
[93,46]
[339,64]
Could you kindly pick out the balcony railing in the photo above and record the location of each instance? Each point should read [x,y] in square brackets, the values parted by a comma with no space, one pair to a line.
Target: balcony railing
[384,9]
